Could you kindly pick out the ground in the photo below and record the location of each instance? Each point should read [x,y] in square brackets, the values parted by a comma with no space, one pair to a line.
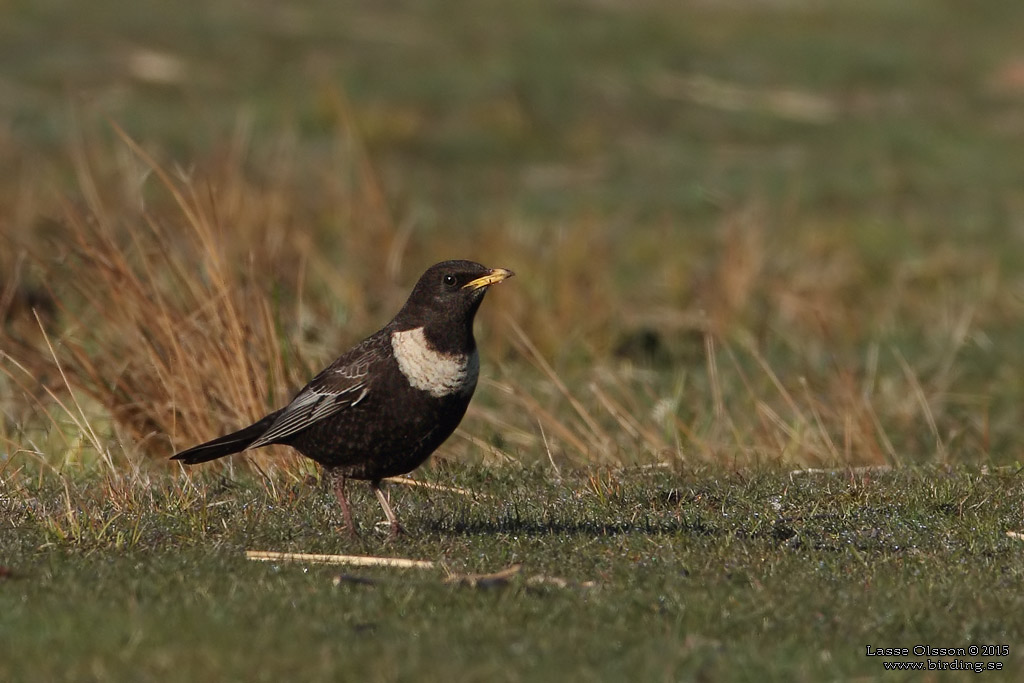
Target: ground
[640,574]
[750,407]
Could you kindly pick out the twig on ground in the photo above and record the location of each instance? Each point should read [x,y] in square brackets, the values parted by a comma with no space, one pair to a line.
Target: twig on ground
[354,560]
[499,578]
[504,577]
[842,470]
[408,481]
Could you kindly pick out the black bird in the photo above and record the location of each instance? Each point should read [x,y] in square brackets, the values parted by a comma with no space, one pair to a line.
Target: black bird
[384,406]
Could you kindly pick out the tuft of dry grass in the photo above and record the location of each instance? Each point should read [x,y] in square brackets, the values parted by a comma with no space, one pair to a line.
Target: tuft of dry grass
[165,331]
[175,305]
[181,298]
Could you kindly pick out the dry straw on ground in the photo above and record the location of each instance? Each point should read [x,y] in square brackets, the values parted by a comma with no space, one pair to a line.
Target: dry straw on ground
[185,304]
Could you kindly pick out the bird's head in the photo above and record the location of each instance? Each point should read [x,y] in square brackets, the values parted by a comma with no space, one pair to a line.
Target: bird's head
[446,298]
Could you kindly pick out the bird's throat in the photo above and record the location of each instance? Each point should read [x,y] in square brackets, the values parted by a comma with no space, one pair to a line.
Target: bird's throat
[438,374]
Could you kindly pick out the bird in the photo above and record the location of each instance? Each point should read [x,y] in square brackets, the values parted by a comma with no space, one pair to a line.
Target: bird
[382,407]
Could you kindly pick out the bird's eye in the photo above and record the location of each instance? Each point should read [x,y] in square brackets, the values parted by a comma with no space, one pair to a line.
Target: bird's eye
[450,280]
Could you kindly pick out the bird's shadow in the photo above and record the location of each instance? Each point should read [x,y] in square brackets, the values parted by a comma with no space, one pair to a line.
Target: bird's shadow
[568,527]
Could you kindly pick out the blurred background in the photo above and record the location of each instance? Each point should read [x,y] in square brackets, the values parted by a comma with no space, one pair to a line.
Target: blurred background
[761,231]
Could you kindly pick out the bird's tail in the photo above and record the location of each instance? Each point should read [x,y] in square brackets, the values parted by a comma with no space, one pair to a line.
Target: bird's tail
[227,444]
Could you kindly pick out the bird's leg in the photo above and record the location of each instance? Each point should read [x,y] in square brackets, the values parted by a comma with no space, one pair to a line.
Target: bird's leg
[396,528]
[339,493]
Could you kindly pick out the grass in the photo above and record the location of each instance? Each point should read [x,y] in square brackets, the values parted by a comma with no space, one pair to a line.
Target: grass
[726,575]
[749,241]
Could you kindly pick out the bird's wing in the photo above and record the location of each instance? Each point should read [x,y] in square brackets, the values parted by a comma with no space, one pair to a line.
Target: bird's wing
[343,384]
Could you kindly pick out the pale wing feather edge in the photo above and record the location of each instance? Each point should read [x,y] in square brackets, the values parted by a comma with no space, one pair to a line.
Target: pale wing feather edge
[310,407]
[342,384]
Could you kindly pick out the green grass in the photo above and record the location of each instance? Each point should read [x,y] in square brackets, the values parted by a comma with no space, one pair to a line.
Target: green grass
[722,575]
[749,238]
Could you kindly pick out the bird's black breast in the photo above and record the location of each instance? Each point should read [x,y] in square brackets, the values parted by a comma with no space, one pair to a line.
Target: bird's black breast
[391,431]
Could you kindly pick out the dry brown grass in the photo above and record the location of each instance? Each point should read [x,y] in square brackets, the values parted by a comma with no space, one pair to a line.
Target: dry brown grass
[165,296]
[181,304]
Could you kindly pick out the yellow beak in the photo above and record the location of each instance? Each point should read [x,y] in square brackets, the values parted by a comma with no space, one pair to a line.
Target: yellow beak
[492,278]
